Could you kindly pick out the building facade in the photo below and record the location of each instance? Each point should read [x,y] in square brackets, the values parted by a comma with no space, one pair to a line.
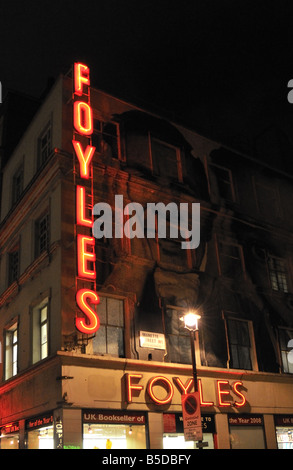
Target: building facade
[93,349]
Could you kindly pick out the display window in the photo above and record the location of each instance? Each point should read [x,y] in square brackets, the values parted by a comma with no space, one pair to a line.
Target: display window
[114,430]
[246,432]
[9,436]
[284,431]
[173,437]
[40,433]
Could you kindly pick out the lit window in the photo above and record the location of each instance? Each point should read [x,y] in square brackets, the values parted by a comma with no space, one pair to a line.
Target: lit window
[239,341]
[13,265]
[17,185]
[44,145]
[40,331]
[109,338]
[177,336]
[286,349]
[11,347]
[277,273]
[42,233]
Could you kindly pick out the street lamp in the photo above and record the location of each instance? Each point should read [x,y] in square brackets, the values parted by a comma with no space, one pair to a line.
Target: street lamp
[191,323]
[191,320]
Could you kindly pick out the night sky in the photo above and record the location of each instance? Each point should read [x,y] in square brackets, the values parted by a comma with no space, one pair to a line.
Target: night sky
[220,66]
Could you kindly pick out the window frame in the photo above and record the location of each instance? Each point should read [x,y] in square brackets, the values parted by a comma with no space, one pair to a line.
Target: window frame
[258,186]
[124,328]
[16,193]
[36,328]
[11,349]
[181,311]
[100,133]
[152,138]
[285,351]
[241,259]
[232,316]
[38,250]
[213,169]
[12,278]
[273,271]
[41,160]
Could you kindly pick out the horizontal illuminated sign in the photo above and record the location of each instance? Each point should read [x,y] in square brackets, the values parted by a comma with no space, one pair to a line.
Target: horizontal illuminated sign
[40,421]
[160,390]
[113,417]
[246,420]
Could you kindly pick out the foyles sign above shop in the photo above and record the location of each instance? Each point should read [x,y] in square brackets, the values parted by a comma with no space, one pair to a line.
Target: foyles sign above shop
[131,221]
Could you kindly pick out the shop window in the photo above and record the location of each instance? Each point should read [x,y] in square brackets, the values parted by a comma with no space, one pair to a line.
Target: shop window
[11,350]
[277,273]
[246,432]
[178,338]
[224,182]
[17,184]
[231,260]
[9,436]
[109,338]
[106,139]
[13,265]
[40,331]
[114,430]
[239,341]
[40,433]
[44,145]
[286,349]
[284,431]
[42,234]
[165,159]
[173,437]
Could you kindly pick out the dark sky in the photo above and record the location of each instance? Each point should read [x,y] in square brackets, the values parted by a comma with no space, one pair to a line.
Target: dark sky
[223,64]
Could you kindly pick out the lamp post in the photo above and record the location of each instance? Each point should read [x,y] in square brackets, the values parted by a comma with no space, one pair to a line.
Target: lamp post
[191,323]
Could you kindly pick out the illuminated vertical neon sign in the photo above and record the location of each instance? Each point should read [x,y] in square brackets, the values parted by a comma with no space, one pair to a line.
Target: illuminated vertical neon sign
[86,298]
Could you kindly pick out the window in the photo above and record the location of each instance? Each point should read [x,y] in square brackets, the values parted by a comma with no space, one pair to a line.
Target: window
[13,265]
[11,347]
[109,338]
[224,181]
[166,159]
[17,184]
[106,138]
[231,261]
[44,145]
[177,336]
[277,273]
[267,199]
[239,343]
[42,232]
[286,348]
[40,321]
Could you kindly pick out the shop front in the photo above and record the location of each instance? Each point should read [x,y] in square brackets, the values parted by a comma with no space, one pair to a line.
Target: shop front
[40,432]
[9,436]
[104,429]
